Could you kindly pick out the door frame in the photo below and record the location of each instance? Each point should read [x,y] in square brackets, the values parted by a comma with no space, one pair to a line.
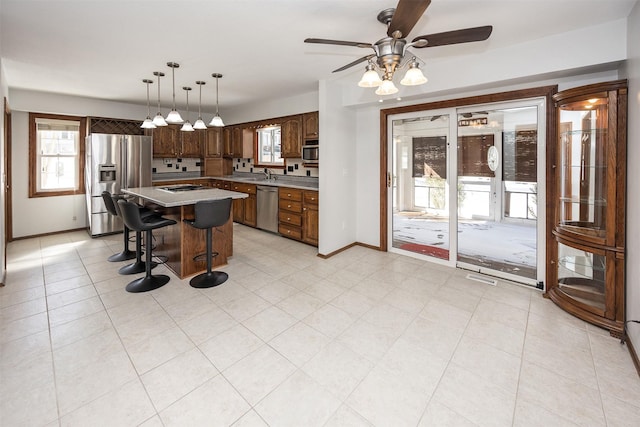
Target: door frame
[385,175]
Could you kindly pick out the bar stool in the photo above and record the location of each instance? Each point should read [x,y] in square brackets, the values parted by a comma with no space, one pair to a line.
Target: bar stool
[138,266]
[210,214]
[132,218]
[111,208]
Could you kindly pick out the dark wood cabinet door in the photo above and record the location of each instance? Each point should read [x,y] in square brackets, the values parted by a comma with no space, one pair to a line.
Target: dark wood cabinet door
[310,125]
[164,141]
[250,210]
[310,219]
[291,135]
[227,138]
[191,143]
[213,143]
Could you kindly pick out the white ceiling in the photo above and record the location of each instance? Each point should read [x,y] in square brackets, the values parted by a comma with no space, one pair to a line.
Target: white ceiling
[103,49]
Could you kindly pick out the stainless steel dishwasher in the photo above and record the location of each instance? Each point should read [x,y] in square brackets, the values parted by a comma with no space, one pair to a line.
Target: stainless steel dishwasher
[267,208]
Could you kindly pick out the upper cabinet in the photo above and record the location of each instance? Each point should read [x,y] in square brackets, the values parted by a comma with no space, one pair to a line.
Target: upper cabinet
[291,137]
[169,141]
[585,274]
[213,146]
[310,125]
[237,142]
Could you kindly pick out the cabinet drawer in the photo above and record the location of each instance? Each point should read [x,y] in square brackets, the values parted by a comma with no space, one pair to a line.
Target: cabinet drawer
[289,205]
[290,194]
[290,231]
[311,197]
[290,218]
[243,188]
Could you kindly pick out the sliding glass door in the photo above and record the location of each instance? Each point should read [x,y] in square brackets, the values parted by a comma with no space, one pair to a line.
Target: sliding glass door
[466,188]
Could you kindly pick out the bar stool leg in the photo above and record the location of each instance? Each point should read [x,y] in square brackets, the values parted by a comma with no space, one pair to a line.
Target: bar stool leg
[126,254]
[210,278]
[138,266]
[148,282]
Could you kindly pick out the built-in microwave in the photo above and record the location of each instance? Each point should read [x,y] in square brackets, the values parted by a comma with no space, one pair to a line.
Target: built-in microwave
[310,152]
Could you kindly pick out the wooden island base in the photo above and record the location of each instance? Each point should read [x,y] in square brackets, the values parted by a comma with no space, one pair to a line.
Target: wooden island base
[180,243]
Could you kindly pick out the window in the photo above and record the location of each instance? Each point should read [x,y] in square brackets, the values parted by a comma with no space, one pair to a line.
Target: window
[56,155]
[269,148]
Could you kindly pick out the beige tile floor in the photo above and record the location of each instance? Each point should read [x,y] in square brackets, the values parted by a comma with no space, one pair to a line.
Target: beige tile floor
[363,338]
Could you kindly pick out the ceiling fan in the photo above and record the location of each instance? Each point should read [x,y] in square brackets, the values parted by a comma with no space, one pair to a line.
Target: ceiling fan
[389,51]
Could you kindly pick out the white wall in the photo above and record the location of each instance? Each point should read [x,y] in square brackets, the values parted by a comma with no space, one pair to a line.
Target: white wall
[281,107]
[4,92]
[28,214]
[632,71]
[337,181]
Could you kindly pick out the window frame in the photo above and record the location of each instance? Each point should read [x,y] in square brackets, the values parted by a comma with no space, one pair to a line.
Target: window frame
[33,155]
[257,162]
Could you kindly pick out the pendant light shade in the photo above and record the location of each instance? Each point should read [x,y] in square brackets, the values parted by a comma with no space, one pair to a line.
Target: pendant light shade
[158,120]
[174,116]
[186,127]
[217,120]
[200,124]
[148,123]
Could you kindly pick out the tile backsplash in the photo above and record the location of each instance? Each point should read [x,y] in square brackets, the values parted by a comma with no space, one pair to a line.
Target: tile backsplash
[294,167]
[191,166]
[172,166]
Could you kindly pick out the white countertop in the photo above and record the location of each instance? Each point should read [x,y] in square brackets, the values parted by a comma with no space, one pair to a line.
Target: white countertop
[168,199]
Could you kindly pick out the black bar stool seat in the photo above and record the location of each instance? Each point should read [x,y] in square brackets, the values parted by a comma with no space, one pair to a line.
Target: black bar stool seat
[132,218]
[208,215]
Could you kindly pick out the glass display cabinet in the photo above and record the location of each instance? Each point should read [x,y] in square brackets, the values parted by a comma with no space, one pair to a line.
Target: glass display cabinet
[585,274]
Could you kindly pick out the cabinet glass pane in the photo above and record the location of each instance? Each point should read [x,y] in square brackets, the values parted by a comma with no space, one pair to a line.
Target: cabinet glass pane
[583,175]
[581,275]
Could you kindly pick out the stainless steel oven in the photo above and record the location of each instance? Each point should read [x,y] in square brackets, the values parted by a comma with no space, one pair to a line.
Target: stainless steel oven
[310,153]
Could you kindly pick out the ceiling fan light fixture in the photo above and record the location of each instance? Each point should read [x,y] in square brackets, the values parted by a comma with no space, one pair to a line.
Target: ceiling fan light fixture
[413,76]
[370,78]
[387,87]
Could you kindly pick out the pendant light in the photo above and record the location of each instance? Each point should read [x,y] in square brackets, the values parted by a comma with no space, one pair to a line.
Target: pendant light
[148,123]
[158,120]
[199,124]
[174,116]
[217,120]
[186,127]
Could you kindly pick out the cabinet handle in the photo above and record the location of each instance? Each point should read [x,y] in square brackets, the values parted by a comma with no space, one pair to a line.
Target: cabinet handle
[304,209]
[313,198]
[288,206]
[288,194]
[288,218]
[288,231]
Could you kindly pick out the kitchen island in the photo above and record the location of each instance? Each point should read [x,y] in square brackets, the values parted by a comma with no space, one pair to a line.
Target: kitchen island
[180,243]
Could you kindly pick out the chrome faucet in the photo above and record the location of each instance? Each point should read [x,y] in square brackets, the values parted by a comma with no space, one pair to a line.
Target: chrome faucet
[269,174]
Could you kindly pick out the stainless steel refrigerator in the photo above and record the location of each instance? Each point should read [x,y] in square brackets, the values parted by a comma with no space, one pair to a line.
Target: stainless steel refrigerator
[113,163]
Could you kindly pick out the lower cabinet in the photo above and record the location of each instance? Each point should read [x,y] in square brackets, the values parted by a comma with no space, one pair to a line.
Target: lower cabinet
[298,214]
[244,210]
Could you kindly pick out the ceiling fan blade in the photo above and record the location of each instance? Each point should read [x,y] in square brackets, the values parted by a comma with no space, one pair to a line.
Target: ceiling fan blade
[475,34]
[338,42]
[356,62]
[407,14]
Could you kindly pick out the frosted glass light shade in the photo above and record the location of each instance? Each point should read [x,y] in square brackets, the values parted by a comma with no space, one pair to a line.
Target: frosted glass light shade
[148,124]
[186,127]
[199,124]
[370,78]
[413,77]
[216,121]
[158,120]
[386,88]
[174,117]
